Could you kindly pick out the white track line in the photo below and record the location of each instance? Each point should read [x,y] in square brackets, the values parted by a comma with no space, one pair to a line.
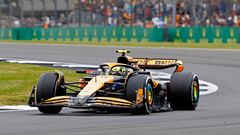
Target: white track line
[211,88]
[16,108]
[77,65]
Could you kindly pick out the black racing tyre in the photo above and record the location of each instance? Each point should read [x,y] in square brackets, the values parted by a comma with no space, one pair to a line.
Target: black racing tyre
[133,84]
[183,93]
[50,109]
[48,87]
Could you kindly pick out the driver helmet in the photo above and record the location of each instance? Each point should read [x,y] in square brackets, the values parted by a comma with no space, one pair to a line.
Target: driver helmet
[118,70]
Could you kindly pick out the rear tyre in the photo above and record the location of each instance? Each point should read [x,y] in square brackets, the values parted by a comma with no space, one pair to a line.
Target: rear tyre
[48,87]
[184,91]
[140,82]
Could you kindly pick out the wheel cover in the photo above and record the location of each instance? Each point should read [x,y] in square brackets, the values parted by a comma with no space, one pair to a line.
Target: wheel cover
[195,93]
[149,95]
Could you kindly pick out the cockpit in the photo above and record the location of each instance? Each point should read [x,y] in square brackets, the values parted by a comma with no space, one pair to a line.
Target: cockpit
[116,69]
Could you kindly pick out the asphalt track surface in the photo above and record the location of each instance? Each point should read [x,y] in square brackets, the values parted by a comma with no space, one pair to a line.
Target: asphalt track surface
[217,114]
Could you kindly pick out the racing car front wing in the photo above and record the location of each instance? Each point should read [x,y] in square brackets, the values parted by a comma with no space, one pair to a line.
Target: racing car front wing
[91,102]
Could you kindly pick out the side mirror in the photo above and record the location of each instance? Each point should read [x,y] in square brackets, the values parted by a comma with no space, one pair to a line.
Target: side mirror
[81,71]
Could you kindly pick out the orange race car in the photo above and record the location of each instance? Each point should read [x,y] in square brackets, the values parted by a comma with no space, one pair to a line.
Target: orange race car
[124,84]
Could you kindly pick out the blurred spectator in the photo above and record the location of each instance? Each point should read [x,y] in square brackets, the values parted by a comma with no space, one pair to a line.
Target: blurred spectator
[46,22]
[146,13]
[158,21]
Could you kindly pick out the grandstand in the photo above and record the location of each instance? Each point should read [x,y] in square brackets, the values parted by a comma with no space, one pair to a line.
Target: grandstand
[36,8]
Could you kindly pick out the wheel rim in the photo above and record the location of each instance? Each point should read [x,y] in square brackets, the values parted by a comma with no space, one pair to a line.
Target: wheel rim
[195,93]
[149,95]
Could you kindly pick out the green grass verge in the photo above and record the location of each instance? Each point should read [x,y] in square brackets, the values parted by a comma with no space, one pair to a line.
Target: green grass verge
[204,44]
[17,80]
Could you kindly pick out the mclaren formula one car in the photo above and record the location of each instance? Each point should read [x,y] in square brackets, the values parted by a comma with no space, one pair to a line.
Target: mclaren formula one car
[126,84]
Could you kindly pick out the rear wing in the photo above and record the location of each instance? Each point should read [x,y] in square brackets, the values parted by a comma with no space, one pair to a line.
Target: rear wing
[150,63]
[157,63]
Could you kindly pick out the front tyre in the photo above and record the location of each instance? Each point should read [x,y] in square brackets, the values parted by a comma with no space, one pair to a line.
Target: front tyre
[144,83]
[48,87]
[183,93]
[50,110]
